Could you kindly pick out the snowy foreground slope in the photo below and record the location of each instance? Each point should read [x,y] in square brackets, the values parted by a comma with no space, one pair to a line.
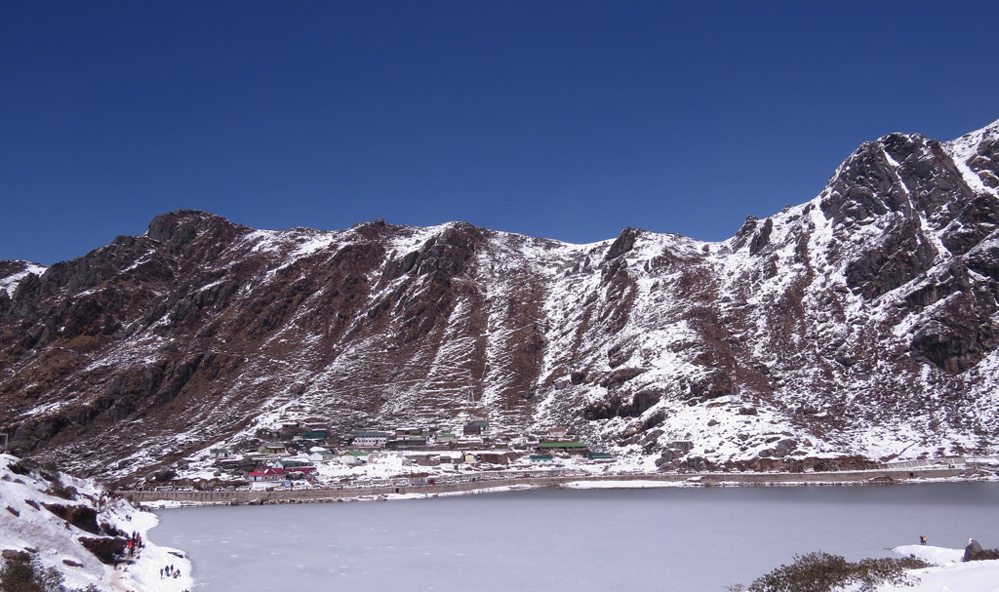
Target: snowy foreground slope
[860,325]
[29,523]
[949,574]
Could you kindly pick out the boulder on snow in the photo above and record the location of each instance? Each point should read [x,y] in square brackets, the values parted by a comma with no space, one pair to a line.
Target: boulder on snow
[975,552]
[15,555]
[163,475]
[82,517]
[973,548]
[105,548]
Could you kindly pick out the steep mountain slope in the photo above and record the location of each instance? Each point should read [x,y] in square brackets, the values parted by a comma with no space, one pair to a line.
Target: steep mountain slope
[861,323]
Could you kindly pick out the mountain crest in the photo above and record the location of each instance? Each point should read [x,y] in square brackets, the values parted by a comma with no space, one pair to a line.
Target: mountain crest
[849,326]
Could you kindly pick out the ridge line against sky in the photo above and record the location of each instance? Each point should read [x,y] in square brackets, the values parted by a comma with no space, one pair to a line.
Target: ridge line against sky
[567,120]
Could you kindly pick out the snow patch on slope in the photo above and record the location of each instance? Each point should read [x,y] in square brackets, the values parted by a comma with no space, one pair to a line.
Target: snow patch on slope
[9,283]
[26,525]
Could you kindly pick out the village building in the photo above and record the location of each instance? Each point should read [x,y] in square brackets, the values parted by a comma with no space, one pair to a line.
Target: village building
[250,462]
[267,474]
[423,458]
[571,448]
[296,464]
[354,458]
[475,428]
[470,441]
[370,439]
[496,457]
[445,438]
[293,428]
[231,465]
[268,434]
[406,441]
[523,442]
[318,453]
[272,448]
[452,457]
[218,453]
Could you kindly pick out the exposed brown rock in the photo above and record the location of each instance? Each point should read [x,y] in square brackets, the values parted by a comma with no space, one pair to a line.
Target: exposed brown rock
[200,324]
[82,517]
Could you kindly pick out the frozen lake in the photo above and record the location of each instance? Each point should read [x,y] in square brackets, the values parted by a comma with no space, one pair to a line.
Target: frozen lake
[661,540]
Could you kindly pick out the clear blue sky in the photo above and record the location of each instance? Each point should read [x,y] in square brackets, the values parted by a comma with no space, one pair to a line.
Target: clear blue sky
[565,119]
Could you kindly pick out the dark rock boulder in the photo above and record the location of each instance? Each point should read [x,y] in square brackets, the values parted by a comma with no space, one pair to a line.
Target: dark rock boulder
[761,238]
[985,162]
[82,517]
[953,344]
[785,447]
[397,268]
[864,188]
[624,243]
[619,376]
[105,548]
[15,555]
[973,549]
[616,406]
[901,256]
[978,219]
[162,475]
[712,384]
[449,253]
[177,230]
[975,552]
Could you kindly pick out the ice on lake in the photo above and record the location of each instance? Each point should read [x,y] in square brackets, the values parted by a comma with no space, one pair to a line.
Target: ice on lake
[660,540]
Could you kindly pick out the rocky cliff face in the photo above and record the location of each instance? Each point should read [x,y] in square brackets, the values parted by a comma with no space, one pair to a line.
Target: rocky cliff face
[862,323]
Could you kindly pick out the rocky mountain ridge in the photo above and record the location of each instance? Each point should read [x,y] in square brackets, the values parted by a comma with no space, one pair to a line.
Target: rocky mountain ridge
[859,324]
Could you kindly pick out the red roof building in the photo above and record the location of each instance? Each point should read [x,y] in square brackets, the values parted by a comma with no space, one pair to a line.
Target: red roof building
[267,474]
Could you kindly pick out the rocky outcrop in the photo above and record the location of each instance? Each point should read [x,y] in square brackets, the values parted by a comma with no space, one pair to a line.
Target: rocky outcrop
[105,548]
[82,517]
[975,552]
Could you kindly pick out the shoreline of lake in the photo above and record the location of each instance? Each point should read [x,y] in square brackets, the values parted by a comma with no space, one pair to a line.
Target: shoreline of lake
[484,483]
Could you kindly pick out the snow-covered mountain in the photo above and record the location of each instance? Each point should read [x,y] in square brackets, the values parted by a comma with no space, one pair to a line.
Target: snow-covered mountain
[859,325]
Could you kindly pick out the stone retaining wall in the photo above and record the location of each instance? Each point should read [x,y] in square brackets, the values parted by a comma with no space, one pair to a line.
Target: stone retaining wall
[705,479]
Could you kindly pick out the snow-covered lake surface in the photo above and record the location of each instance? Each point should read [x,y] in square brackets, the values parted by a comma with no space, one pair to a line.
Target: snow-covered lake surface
[660,540]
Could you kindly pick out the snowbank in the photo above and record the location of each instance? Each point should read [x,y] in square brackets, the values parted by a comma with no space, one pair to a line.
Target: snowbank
[949,574]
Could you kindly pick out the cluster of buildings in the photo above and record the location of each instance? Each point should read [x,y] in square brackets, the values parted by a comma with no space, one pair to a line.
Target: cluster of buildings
[295,450]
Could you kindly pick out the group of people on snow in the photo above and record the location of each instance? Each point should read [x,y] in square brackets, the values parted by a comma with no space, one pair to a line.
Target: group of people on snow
[169,572]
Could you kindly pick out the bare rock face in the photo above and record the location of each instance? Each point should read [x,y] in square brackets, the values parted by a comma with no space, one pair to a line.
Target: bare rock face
[82,517]
[955,342]
[872,306]
[105,548]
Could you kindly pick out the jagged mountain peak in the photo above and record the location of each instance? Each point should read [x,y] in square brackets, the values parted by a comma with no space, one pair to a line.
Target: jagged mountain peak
[181,226]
